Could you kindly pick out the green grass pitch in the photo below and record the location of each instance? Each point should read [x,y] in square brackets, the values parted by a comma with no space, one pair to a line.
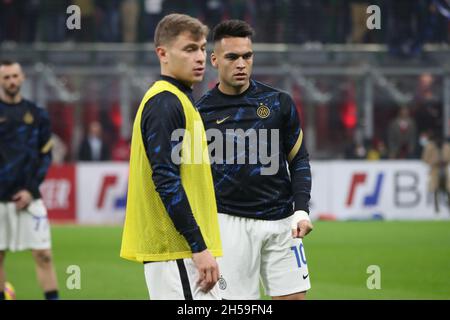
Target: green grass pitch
[414,258]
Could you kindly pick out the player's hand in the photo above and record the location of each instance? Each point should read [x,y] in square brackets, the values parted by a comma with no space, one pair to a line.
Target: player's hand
[22,199]
[301,224]
[207,268]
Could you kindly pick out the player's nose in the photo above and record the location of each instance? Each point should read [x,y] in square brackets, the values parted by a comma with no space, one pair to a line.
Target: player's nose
[200,56]
[240,63]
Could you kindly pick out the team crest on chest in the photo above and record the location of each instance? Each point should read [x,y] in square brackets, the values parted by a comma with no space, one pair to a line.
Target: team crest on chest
[263,111]
[28,118]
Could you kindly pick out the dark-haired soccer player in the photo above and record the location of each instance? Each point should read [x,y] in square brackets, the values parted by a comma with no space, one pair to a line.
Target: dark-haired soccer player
[25,156]
[263,184]
[171,218]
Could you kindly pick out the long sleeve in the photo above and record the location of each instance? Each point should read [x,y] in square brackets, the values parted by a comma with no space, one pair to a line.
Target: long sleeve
[44,154]
[162,115]
[297,154]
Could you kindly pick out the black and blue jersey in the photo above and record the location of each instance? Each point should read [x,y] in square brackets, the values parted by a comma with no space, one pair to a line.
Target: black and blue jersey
[25,148]
[242,188]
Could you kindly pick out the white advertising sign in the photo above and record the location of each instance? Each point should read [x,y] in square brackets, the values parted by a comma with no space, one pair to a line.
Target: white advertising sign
[392,190]
[102,190]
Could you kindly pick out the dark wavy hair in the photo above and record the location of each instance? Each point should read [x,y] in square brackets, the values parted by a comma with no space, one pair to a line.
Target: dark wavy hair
[231,29]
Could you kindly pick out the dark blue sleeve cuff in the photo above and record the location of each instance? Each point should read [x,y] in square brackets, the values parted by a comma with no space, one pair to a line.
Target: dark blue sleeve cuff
[195,240]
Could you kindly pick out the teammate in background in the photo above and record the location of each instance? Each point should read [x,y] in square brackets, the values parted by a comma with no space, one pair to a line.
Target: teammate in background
[25,156]
[437,155]
[261,229]
[171,222]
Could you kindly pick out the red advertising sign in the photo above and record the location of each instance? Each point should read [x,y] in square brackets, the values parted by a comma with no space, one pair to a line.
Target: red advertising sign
[58,192]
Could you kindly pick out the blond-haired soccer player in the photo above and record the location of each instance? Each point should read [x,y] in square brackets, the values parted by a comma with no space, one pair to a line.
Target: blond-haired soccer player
[171,222]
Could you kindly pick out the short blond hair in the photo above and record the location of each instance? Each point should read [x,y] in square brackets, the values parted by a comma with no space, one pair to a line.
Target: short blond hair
[173,24]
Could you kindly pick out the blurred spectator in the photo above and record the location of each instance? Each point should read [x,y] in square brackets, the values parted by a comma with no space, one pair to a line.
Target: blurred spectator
[53,20]
[304,21]
[59,150]
[402,135]
[428,113]
[408,24]
[87,33]
[29,20]
[214,12]
[9,20]
[129,10]
[432,25]
[437,155]
[415,23]
[377,150]
[108,21]
[422,141]
[152,12]
[93,147]
[337,21]
[265,24]
[402,18]
[356,149]
[358,17]
[242,10]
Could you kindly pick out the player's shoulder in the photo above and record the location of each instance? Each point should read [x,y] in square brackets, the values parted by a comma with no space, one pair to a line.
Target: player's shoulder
[165,95]
[263,89]
[209,98]
[164,104]
[163,100]
[35,108]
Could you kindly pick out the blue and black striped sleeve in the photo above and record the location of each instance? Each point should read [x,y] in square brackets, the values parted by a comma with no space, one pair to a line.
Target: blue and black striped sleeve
[161,116]
[43,155]
[297,154]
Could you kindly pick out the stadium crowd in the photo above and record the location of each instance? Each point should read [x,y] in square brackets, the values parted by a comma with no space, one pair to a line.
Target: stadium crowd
[287,21]
[275,21]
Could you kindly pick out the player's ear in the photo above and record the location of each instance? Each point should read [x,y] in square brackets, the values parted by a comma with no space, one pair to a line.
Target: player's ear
[213,60]
[22,76]
[162,54]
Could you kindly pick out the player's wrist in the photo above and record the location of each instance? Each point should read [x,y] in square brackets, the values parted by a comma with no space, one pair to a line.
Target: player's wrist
[298,216]
[195,240]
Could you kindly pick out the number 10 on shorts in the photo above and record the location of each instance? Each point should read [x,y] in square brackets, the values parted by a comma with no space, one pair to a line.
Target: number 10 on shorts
[299,254]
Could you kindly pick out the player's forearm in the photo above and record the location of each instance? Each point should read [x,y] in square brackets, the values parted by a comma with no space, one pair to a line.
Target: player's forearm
[301,182]
[40,173]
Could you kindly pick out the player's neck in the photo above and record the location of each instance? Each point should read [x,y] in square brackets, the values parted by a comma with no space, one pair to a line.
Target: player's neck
[233,91]
[11,99]
[167,73]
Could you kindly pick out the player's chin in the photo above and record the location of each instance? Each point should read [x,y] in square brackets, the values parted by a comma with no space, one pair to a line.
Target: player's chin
[13,91]
[197,77]
[240,82]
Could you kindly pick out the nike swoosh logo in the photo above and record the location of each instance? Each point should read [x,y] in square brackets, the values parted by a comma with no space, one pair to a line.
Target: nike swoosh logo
[220,121]
[304,277]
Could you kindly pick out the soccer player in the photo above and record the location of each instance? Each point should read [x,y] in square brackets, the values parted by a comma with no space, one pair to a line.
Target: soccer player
[25,156]
[263,205]
[171,222]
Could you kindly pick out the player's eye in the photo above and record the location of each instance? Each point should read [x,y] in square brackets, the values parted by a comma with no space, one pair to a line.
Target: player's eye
[247,55]
[232,57]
